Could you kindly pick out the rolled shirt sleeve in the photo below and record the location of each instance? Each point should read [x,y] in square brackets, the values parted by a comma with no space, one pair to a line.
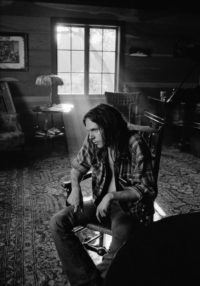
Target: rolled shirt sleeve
[142,176]
[140,179]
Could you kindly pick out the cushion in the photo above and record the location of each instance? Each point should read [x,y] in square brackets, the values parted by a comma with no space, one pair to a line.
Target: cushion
[11,134]
[7,122]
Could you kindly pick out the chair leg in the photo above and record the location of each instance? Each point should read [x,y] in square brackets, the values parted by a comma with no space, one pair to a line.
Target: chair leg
[101,240]
[100,249]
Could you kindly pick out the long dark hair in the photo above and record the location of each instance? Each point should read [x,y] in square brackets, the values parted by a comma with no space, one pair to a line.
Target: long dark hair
[112,122]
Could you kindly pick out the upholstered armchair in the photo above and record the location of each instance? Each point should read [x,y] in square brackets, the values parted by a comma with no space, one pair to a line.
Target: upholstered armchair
[11,134]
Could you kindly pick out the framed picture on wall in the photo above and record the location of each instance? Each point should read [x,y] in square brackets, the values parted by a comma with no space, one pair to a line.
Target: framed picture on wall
[14,51]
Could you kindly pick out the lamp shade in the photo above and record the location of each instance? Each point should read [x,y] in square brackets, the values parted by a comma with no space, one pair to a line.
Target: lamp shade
[49,80]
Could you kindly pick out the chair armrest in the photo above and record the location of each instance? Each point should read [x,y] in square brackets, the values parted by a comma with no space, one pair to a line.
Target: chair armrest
[142,128]
[68,186]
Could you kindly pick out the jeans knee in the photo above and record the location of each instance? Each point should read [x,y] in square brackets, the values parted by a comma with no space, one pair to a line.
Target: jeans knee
[62,221]
[122,227]
[53,223]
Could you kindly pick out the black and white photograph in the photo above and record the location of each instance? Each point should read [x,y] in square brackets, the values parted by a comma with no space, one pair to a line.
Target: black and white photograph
[99,143]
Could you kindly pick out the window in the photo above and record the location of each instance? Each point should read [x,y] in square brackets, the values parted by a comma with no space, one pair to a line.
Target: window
[87,58]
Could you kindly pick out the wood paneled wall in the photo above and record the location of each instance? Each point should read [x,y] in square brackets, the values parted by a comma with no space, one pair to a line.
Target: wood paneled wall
[156,30]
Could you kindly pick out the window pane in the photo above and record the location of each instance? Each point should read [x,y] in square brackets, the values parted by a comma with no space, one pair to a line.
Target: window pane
[109,39]
[95,61]
[77,38]
[95,84]
[72,57]
[78,83]
[108,62]
[62,28]
[108,83]
[66,87]
[77,61]
[63,38]
[64,64]
[96,39]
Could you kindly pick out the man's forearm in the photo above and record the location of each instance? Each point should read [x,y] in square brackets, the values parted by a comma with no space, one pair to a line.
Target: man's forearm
[75,178]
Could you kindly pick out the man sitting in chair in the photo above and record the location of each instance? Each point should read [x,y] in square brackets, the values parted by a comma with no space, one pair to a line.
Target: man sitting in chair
[123,188]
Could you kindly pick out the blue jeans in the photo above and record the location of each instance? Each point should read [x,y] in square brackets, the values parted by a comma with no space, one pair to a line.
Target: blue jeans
[76,262]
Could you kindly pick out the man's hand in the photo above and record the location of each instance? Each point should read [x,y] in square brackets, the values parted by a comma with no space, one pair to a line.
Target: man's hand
[103,207]
[75,199]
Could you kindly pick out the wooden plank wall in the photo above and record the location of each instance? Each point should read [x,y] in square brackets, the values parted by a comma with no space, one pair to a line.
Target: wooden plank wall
[157,31]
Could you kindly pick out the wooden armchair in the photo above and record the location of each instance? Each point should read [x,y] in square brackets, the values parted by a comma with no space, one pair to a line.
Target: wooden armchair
[153,134]
[126,102]
[11,134]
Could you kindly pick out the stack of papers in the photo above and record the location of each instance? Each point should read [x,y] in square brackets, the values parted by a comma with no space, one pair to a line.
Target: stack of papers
[54,131]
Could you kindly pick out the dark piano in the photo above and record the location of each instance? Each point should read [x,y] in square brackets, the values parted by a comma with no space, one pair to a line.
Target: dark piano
[181,111]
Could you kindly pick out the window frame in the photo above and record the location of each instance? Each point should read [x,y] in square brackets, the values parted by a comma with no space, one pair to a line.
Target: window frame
[119,26]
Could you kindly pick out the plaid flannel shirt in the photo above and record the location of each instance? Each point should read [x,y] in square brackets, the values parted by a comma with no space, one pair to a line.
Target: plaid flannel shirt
[133,171]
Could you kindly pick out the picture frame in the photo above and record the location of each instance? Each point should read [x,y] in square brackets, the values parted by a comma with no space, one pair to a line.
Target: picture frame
[14,51]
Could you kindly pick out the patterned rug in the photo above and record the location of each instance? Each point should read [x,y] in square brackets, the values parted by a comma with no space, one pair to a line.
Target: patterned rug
[30,193]
[179,182]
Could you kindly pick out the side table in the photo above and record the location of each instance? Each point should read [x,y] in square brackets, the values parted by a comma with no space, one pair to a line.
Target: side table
[53,132]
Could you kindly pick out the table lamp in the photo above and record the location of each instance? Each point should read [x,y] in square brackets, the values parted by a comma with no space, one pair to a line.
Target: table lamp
[49,80]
